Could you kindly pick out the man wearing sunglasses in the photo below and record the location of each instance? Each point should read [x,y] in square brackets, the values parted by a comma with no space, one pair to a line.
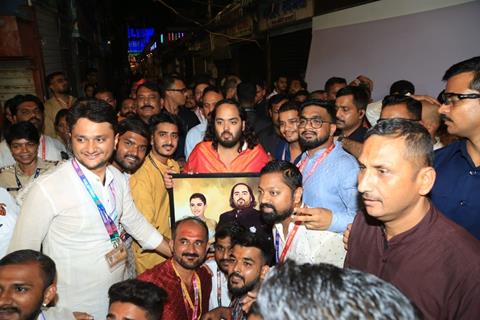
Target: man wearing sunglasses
[457,185]
[329,172]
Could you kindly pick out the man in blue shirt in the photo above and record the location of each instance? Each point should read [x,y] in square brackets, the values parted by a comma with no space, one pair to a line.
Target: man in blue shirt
[457,188]
[329,172]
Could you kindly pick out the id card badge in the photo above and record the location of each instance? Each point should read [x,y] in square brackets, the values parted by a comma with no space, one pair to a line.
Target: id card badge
[116,257]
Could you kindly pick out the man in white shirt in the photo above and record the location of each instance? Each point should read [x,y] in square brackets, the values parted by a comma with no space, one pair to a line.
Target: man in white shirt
[77,212]
[225,237]
[29,108]
[280,189]
[8,217]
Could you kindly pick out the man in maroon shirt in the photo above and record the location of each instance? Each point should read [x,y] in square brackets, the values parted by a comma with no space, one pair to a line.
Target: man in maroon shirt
[404,239]
[187,282]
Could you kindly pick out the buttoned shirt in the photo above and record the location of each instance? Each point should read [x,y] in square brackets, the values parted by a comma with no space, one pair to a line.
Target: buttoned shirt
[194,137]
[151,199]
[48,149]
[59,216]
[310,246]
[7,221]
[456,191]
[219,286]
[332,185]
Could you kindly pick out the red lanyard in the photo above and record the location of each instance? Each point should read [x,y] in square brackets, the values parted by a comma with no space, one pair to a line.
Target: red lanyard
[44,147]
[219,288]
[288,243]
[197,292]
[303,163]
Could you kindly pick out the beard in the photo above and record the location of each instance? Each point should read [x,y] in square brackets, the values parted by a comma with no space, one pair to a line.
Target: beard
[127,165]
[312,143]
[187,264]
[274,216]
[241,291]
[228,143]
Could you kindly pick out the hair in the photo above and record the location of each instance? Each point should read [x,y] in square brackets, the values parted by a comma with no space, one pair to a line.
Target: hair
[246,92]
[104,90]
[313,93]
[187,219]
[332,81]
[230,229]
[229,84]
[211,88]
[153,86]
[47,266]
[327,105]
[414,107]
[164,117]
[19,99]
[248,135]
[301,93]
[402,87]
[94,110]
[134,124]
[323,291]
[259,240]
[169,80]
[52,75]
[144,295]
[303,84]
[470,65]
[253,203]
[280,75]
[290,105]
[22,130]
[291,175]
[360,96]
[277,99]
[60,114]
[200,196]
[419,145]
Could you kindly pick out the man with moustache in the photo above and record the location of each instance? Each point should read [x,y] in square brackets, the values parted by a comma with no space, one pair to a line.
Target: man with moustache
[132,145]
[28,286]
[29,108]
[229,145]
[351,104]
[211,95]
[455,191]
[329,172]
[242,201]
[404,239]
[288,117]
[148,187]
[127,109]
[280,189]
[250,260]
[107,96]
[59,87]
[76,214]
[149,100]
[225,237]
[187,282]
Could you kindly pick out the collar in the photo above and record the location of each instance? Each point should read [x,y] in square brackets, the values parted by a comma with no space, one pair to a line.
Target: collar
[93,177]
[320,151]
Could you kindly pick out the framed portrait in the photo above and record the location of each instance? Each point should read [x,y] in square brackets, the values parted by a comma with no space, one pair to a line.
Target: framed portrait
[206,195]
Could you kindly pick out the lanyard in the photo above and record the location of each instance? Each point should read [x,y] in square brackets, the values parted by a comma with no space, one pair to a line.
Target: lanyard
[44,147]
[219,288]
[288,243]
[42,316]
[19,184]
[237,312]
[197,293]
[303,163]
[107,221]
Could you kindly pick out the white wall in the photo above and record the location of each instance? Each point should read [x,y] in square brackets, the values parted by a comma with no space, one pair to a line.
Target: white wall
[391,40]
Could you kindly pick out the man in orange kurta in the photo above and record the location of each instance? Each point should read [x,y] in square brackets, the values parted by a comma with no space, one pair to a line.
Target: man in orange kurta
[230,145]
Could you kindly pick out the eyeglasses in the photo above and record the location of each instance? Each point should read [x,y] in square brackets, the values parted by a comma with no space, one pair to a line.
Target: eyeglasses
[451,97]
[183,90]
[316,123]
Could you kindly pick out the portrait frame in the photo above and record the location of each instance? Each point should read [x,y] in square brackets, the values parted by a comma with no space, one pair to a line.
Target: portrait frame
[216,187]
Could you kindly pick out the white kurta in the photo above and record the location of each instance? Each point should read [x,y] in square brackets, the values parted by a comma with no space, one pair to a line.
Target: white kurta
[59,214]
[312,246]
[8,221]
[225,297]
[53,149]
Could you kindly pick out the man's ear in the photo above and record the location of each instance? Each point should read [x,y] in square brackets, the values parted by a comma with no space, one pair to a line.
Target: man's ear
[170,244]
[297,195]
[425,179]
[116,141]
[362,113]
[264,272]
[243,126]
[333,128]
[49,294]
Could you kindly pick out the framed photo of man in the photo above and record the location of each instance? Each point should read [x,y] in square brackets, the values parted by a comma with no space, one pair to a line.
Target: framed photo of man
[207,196]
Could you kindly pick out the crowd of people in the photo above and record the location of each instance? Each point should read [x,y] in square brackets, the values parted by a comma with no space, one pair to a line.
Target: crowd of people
[366,209]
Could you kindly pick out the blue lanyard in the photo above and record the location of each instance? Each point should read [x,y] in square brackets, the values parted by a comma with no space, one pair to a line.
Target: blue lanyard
[277,246]
[107,221]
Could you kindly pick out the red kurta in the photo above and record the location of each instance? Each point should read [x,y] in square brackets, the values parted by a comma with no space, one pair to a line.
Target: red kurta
[175,307]
[205,159]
